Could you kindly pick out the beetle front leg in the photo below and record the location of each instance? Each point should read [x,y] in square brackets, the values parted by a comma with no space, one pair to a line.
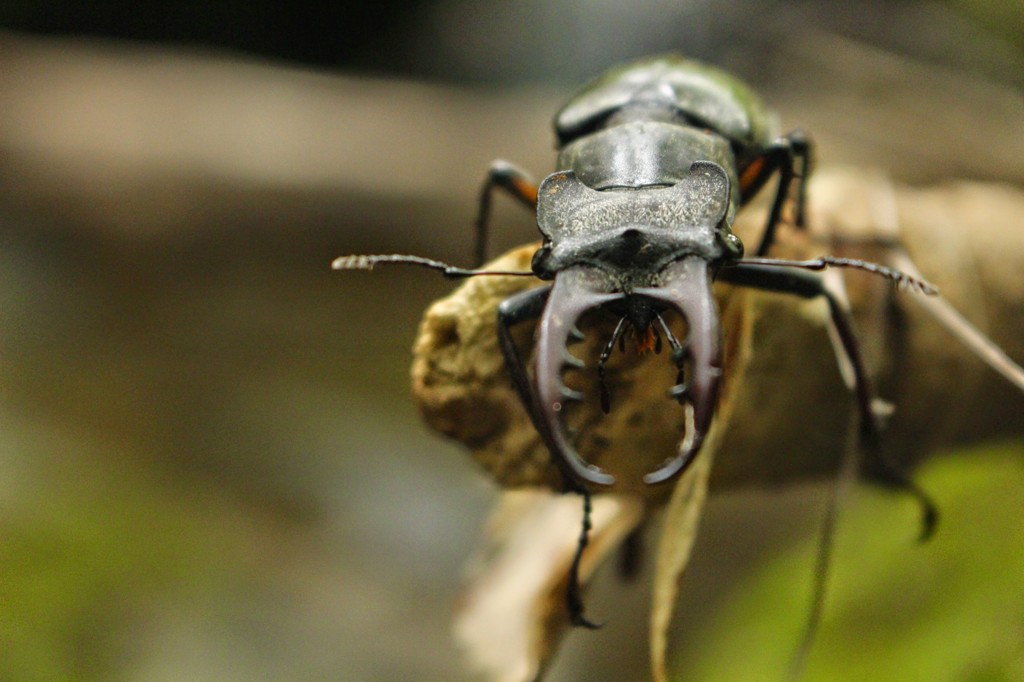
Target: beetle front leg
[524,306]
[806,285]
[517,183]
[527,305]
[790,156]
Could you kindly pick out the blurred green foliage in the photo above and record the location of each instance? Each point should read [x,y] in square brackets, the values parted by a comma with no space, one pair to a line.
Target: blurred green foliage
[1004,18]
[85,569]
[83,577]
[950,609]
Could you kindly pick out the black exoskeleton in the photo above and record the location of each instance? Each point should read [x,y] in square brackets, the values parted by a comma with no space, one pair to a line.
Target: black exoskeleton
[654,160]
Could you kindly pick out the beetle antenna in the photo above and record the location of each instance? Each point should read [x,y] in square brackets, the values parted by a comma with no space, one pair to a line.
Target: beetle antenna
[901,279]
[362,262]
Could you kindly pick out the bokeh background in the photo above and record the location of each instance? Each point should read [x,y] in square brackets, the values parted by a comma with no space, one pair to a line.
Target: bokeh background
[210,467]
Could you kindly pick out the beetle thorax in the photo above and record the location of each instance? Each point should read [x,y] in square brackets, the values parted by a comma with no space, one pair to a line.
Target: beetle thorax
[644,153]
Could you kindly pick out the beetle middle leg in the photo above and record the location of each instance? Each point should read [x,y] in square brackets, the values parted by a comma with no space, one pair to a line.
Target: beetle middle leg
[513,180]
[769,277]
[790,156]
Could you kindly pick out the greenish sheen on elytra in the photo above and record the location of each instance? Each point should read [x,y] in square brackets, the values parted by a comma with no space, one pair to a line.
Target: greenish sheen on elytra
[645,124]
[706,95]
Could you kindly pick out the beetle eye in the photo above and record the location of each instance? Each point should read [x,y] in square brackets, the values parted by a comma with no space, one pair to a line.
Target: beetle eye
[732,243]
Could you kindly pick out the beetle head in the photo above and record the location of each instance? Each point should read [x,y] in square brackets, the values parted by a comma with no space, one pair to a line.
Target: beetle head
[640,253]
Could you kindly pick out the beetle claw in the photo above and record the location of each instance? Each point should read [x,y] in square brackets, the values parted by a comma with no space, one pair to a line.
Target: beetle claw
[570,394]
[576,290]
[570,360]
[679,391]
[686,287]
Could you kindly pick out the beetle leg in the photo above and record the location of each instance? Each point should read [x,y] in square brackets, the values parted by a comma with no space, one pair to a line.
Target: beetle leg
[526,305]
[517,183]
[574,600]
[791,157]
[806,285]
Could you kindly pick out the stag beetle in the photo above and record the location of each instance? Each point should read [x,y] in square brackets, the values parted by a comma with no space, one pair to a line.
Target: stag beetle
[658,156]
[654,160]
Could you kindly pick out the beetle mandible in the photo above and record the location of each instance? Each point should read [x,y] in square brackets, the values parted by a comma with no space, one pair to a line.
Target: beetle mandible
[654,160]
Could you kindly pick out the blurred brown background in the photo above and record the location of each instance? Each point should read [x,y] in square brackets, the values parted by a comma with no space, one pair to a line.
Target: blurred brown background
[209,464]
